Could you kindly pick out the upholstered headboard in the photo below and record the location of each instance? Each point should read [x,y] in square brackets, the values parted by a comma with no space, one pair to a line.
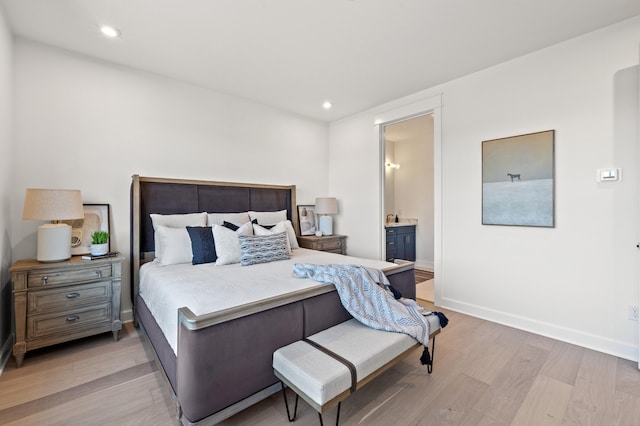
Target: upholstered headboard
[179,196]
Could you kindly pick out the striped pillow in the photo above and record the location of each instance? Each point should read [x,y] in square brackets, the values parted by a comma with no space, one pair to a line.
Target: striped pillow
[256,249]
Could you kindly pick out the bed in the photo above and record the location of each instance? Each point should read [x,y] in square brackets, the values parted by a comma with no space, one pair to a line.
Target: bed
[218,358]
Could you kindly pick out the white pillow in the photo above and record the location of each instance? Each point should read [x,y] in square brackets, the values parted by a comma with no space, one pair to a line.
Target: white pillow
[175,221]
[269,218]
[277,229]
[235,218]
[176,245]
[286,226]
[227,243]
[291,233]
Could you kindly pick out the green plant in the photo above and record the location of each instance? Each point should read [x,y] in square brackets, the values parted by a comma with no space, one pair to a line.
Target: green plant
[99,237]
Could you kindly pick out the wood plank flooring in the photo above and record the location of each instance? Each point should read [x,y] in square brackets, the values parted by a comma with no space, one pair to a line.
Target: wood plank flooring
[484,374]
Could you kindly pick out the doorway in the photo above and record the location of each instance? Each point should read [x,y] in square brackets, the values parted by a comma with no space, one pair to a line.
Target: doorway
[409,195]
[398,113]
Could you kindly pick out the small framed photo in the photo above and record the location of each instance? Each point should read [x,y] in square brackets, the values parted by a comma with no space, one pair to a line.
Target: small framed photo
[307,219]
[97,217]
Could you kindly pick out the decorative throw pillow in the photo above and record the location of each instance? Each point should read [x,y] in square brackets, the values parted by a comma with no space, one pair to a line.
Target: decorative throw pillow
[174,221]
[176,245]
[227,244]
[202,245]
[263,248]
[284,226]
[277,229]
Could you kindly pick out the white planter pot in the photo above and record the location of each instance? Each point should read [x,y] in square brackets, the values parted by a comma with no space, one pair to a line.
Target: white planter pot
[98,249]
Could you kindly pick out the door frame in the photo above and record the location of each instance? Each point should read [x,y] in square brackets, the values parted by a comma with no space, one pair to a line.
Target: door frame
[432,105]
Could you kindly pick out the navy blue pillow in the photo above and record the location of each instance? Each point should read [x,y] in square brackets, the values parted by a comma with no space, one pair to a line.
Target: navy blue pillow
[202,245]
[230,225]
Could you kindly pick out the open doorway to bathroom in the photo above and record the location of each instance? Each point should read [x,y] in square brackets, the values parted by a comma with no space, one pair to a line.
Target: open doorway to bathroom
[409,196]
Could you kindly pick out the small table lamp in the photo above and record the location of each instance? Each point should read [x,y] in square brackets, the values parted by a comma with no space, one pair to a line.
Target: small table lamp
[54,239]
[324,208]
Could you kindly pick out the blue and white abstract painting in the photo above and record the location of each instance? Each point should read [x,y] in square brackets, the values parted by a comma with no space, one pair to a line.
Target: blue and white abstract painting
[517,180]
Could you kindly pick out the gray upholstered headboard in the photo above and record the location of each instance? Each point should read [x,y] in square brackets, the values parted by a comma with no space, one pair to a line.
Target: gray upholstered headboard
[178,196]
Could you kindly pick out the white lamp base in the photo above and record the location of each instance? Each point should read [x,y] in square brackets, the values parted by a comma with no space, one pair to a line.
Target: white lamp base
[326,225]
[54,242]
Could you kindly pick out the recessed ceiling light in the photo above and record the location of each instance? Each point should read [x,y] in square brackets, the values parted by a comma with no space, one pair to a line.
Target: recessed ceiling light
[110,32]
[326,105]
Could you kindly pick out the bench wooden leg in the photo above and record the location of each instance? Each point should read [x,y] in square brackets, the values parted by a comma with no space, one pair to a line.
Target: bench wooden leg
[286,404]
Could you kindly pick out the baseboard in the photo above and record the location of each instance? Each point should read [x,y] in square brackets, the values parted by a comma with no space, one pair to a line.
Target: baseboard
[126,316]
[5,353]
[568,335]
[424,264]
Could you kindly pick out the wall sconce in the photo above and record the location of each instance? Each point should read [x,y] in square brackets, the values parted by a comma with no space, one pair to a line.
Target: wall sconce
[393,165]
[324,208]
[54,239]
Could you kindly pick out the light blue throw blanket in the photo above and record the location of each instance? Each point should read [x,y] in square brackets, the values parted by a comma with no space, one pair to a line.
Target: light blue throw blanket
[365,294]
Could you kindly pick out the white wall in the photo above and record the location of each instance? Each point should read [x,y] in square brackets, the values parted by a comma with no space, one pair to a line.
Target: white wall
[6,153]
[87,124]
[572,282]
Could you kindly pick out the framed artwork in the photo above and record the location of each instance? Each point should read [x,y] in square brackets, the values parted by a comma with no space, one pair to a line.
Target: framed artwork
[96,218]
[307,219]
[518,180]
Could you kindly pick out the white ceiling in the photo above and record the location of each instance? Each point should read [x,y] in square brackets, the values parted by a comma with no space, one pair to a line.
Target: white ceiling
[294,54]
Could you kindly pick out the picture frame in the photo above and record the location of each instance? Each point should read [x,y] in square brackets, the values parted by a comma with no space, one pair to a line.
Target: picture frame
[97,217]
[518,180]
[307,219]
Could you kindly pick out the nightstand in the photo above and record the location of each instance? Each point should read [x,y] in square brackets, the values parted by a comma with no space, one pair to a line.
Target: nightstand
[61,301]
[330,243]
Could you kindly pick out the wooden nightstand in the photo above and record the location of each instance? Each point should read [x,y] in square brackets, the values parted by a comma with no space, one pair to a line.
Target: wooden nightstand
[61,301]
[330,243]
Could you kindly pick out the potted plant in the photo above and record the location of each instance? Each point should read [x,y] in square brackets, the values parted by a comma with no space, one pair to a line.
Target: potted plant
[99,243]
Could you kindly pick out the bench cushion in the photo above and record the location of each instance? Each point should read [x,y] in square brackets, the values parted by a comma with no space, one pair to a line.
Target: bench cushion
[320,377]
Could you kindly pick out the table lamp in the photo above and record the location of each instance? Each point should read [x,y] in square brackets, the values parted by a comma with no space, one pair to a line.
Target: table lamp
[324,208]
[54,239]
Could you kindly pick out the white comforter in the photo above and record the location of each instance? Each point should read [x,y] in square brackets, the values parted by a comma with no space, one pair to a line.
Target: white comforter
[209,288]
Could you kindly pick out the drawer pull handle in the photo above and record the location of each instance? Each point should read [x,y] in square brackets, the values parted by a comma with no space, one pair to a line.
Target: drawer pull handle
[73,295]
[73,318]
[44,279]
[99,273]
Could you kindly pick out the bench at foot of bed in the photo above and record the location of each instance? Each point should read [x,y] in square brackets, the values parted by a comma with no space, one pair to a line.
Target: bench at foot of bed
[330,365]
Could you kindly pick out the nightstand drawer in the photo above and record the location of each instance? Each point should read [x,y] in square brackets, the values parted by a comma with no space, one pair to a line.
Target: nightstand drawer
[44,301]
[45,325]
[59,277]
[333,244]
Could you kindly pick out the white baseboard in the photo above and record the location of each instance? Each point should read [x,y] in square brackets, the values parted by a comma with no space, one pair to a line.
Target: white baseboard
[5,352]
[126,316]
[424,264]
[568,335]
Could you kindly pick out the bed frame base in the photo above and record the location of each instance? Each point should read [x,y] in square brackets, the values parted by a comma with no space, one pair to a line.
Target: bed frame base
[233,409]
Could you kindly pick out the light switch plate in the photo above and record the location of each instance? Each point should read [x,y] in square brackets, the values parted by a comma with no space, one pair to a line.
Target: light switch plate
[609,175]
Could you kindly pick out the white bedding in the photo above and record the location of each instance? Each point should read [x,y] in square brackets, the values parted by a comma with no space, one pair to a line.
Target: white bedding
[209,288]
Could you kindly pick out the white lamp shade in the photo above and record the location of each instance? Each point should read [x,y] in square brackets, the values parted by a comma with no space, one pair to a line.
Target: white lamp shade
[327,205]
[54,239]
[52,204]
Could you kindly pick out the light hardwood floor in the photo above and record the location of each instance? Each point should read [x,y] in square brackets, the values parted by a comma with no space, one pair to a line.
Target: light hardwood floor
[484,374]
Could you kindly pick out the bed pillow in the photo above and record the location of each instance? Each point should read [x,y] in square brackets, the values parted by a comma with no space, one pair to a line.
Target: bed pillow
[263,248]
[174,221]
[202,245]
[269,218]
[236,218]
[277,229]
[176,245]
[227,243]
[285,226]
